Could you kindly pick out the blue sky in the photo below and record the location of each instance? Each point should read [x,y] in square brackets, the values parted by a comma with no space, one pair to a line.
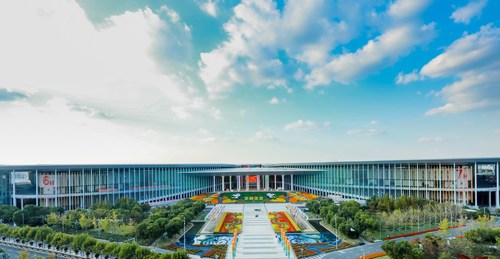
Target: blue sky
[248,81]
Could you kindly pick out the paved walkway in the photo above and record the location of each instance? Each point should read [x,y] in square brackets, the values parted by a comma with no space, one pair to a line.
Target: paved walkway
[257,239]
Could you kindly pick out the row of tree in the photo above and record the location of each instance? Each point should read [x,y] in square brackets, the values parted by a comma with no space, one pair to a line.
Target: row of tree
[169,220]
[352,219]
[349,217]
[82,242]
[482,241]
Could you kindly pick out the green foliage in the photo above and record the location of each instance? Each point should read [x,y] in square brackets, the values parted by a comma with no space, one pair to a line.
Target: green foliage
[128,250]
[23,255]
[483,235]
[432,245]
[402,250]
[7,213]
[53,219]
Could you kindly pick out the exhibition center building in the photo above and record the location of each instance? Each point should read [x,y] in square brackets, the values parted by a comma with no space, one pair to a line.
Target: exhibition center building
[473,182]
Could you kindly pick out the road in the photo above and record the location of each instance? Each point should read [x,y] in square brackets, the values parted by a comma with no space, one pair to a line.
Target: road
[369,248]
[13,252]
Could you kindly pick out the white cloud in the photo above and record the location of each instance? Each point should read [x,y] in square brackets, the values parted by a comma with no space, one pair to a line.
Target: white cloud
[374,122]
[475,60]
[365,132]
[381,52]
[259,35]
[274,100]
[65,135]
[465,13]
[408,78]
[209,7]
[216,113]
[263,136]
[305,125]
[404,9]
[110,66]
[430,139]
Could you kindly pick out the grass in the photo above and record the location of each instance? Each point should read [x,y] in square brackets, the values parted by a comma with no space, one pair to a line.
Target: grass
[312,215]
[107,236]
[401,230]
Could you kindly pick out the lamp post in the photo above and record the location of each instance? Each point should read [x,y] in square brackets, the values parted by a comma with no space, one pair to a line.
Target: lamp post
[337,232]
[184,219]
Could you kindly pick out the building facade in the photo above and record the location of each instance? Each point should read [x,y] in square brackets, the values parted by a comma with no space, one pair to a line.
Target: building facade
[473,182]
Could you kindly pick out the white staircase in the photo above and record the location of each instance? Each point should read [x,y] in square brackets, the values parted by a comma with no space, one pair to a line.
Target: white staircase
[257,239]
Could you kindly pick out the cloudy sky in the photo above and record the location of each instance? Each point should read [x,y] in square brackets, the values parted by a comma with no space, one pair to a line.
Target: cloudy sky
[248,81]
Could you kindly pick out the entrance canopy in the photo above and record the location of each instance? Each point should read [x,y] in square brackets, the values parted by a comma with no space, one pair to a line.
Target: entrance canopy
[253,171]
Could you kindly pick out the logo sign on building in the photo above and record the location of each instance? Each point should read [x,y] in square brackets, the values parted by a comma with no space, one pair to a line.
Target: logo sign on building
[486,170]
[47,183]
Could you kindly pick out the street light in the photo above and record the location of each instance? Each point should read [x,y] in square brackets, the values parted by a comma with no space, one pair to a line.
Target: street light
[184,219]
[337,232]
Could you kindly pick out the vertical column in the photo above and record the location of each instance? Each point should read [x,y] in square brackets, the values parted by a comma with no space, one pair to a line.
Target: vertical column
[238,182]
[13,182]
[426,182]
[440,184]
[247,178]
[267,182]
[223,184]
[418,183]
[454,184]
[37,184]
[69,189]
[56,186]
[231,183]
[475,184]
[291,182]
[214,183]
[498,189]
[258,182]
[283,182]
[275,183]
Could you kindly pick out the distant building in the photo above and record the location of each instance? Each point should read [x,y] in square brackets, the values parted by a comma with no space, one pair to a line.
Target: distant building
[473,182]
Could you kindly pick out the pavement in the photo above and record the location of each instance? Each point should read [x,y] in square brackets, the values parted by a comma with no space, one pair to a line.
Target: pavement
[369,248]
[13,252]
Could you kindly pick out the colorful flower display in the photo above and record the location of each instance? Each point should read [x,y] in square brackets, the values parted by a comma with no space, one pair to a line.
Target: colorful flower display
[199,197]
[229,222]
[299,197]
[280,220]
[212,199]
[251,197]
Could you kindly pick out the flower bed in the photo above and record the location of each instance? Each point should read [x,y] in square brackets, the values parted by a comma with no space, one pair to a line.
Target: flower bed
[252,197]
[229,222]
[301,250]
[199,197]
[280,220]
[212,199]
[332,248]
[295,198]
[418,232]
[216,250]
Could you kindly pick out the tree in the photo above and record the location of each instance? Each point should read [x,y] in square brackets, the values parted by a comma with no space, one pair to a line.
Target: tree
[128,249]
[7,212]
[42,233]
[52,219]
[78,241]
[85,222]
[444,227]
[111,249]
[23,255]
[432,245]
[142,252]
